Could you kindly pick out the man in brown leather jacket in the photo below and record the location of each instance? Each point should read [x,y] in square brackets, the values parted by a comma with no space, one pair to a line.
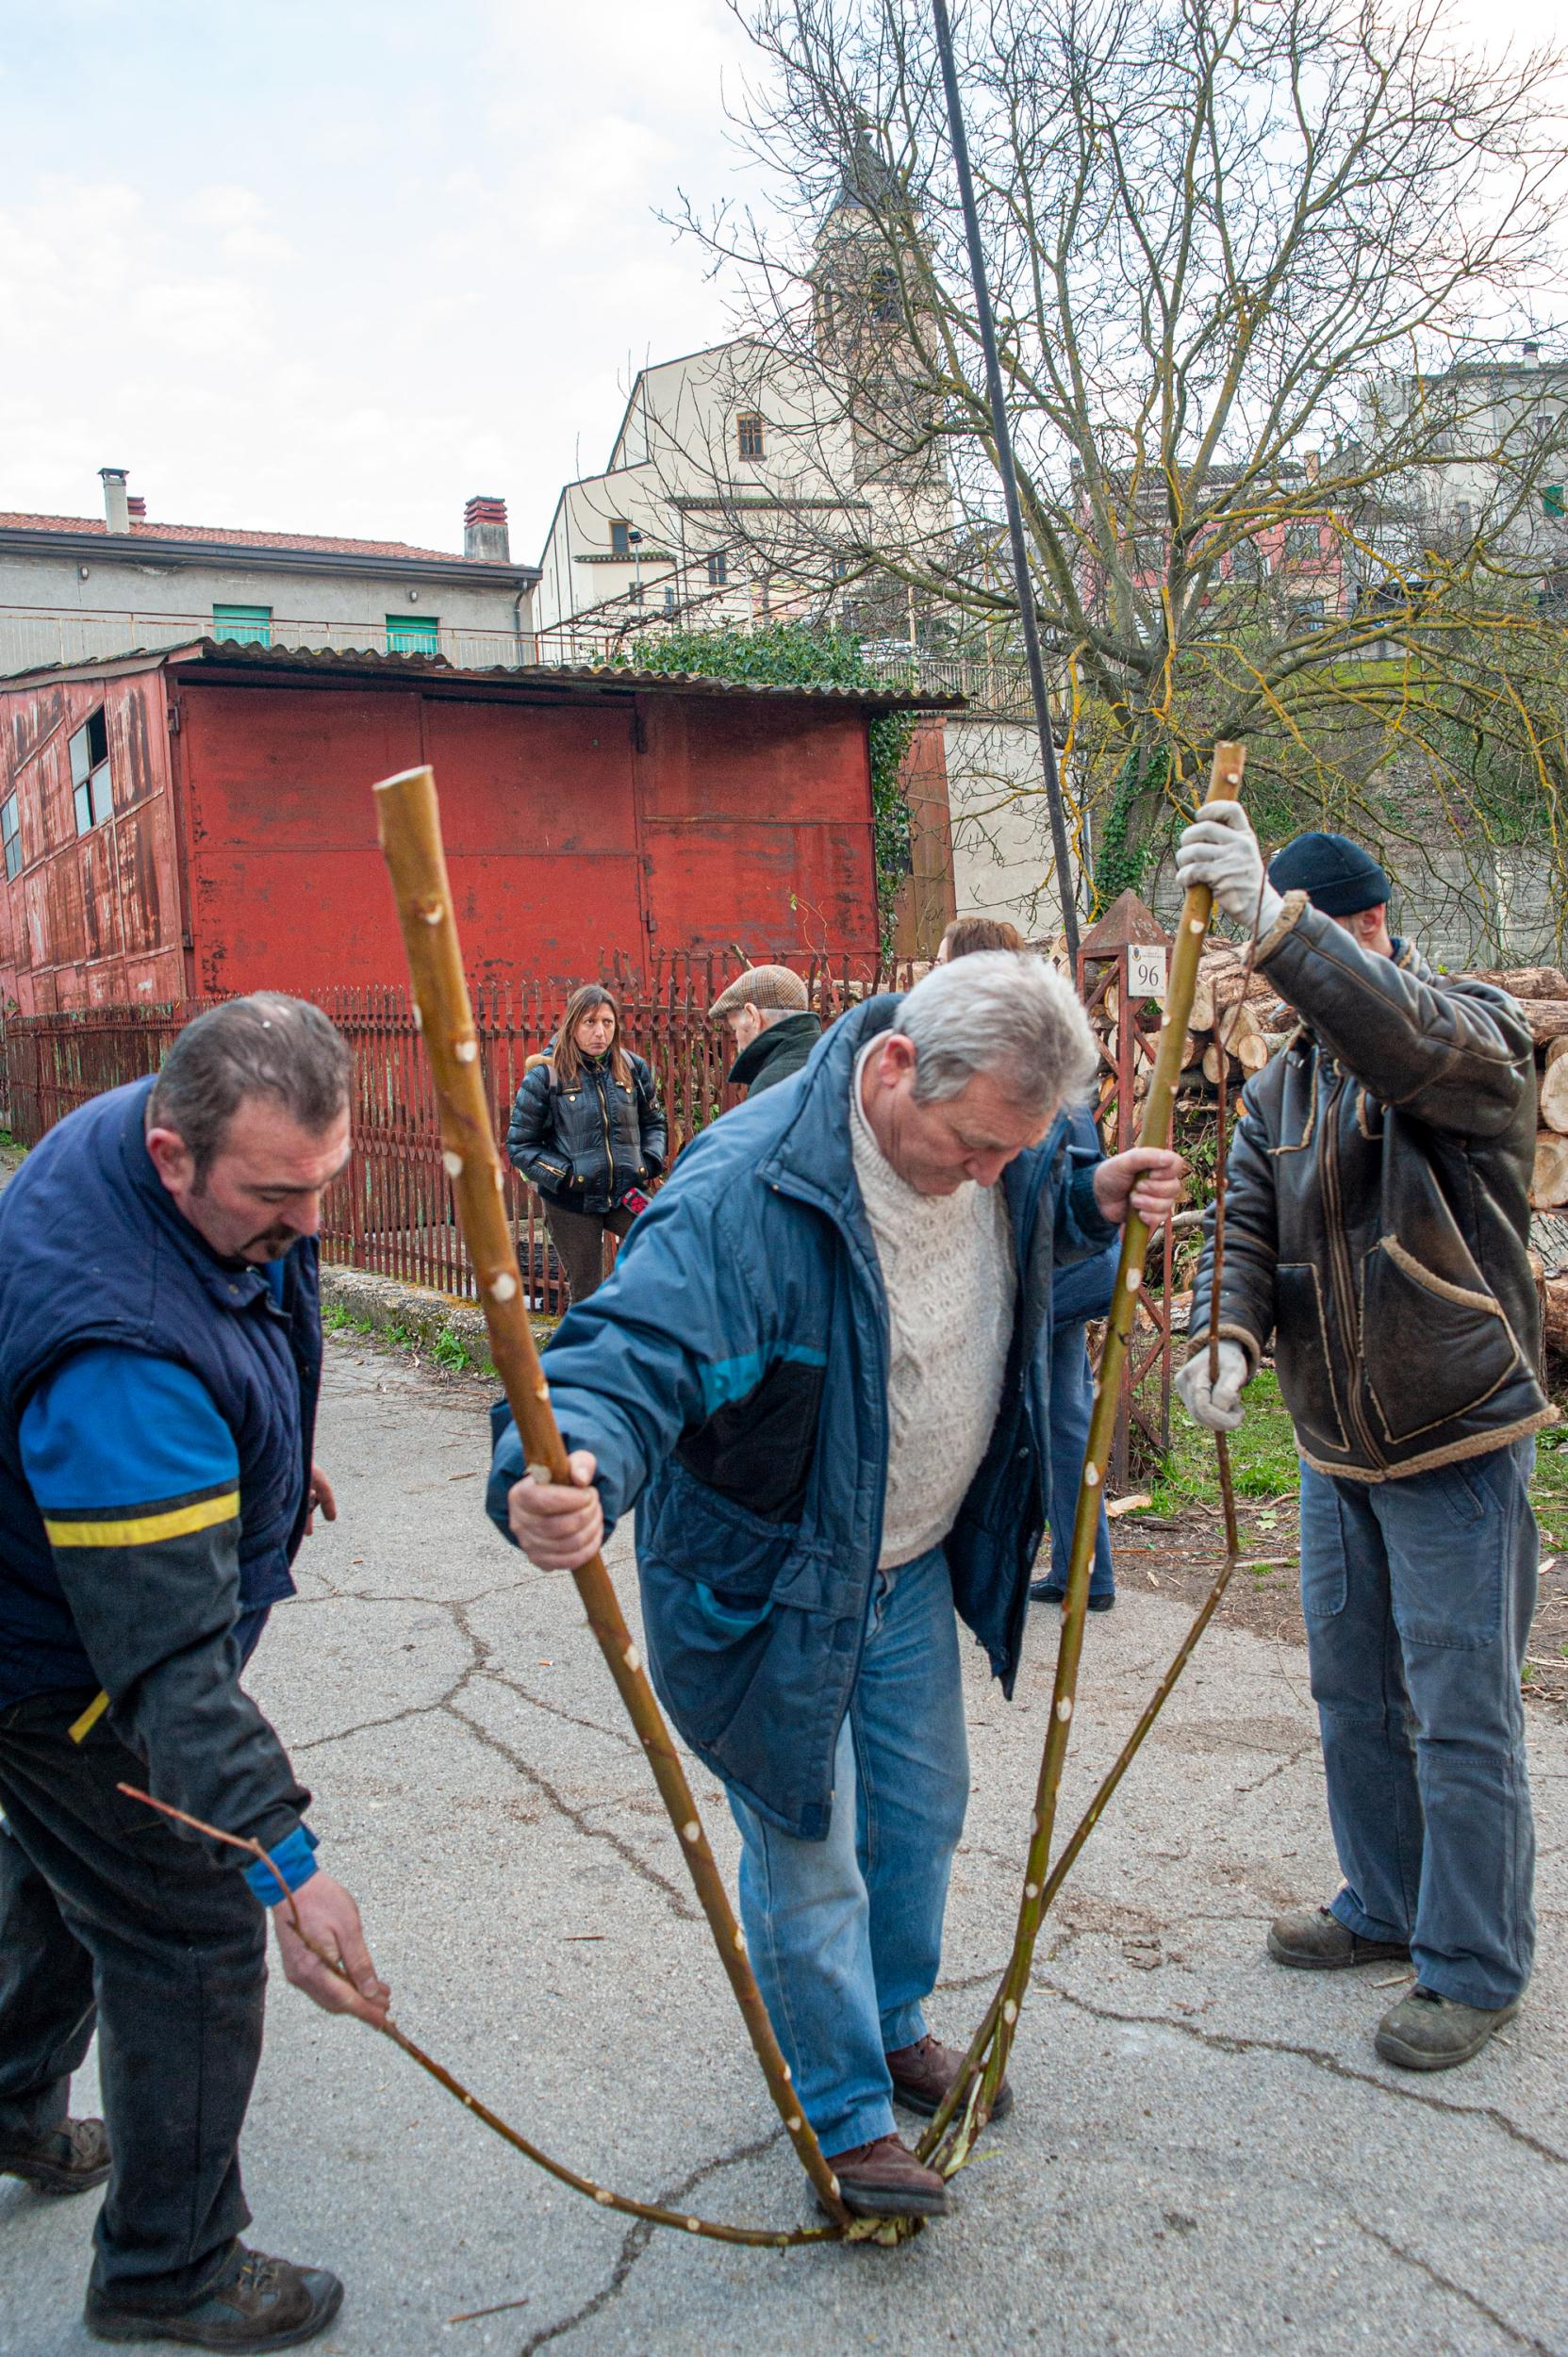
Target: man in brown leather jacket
[1376,1229]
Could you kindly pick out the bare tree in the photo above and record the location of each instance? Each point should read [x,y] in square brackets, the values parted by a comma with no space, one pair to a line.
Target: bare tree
[1262,271]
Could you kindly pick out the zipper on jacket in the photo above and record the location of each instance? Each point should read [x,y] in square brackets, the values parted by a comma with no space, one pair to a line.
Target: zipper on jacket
[604,1124]
[1340,1275]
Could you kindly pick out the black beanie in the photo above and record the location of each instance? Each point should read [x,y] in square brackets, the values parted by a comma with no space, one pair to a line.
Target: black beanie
[1336,875]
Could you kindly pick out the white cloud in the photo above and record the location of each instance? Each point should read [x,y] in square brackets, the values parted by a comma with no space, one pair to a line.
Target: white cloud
[343,302]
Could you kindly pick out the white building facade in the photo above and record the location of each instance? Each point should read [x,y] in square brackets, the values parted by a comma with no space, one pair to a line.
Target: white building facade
[76,587]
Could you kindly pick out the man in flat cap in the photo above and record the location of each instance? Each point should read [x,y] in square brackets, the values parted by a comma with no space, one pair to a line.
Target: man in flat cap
[770,1021]
[1375,1229]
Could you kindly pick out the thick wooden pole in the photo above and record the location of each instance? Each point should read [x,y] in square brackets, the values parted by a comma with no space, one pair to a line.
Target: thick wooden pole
[987,2056]
[409,820]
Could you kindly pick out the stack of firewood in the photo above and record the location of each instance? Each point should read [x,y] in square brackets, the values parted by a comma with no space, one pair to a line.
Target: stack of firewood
[1542,991]
[1236,1015]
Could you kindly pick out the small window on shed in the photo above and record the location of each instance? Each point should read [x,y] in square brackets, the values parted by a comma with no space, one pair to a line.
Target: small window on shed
[750,434]
[413,633]
[620,537]
[89,774]
[251,625]
[11,836]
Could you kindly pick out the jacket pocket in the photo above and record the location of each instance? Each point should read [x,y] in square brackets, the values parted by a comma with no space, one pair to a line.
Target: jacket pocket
[1301,1352]
[710,1573]
[1434,1351]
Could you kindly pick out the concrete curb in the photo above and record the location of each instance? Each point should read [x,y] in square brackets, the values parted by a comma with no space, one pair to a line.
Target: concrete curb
[414,1314]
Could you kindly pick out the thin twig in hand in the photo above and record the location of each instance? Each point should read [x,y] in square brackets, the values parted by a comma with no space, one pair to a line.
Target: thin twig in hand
[768,2237]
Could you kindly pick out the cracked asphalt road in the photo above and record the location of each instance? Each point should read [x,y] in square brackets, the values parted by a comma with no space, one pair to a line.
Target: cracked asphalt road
[1206,2154]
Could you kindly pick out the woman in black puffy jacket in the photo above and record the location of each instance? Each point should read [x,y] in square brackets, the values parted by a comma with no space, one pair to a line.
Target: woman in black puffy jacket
[588,1129]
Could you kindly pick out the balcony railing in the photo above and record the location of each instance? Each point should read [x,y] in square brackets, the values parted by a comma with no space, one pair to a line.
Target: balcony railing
[32,637]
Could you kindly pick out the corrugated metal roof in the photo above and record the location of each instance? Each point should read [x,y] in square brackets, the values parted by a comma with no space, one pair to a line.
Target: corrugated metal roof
[342,663]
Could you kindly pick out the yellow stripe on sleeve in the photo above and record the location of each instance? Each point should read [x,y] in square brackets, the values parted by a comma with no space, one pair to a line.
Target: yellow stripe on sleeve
[81,1728]
[144,1531]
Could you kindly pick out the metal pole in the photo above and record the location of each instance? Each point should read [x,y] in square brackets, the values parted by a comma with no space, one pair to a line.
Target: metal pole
[1001,436]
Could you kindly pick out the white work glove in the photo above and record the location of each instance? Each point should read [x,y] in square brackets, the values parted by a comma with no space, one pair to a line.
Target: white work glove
[1220,849]
[1218,1404]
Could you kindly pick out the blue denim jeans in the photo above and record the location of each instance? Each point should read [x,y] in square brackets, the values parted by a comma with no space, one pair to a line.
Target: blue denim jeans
[1418,1597]
[1072,1404]
[846,1933]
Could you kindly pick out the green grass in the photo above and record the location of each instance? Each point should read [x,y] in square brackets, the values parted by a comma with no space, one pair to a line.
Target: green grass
[1263,1454]
[1263,1463]
[1549,1491]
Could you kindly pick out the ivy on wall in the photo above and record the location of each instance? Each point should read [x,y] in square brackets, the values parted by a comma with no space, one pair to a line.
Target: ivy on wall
[797,654]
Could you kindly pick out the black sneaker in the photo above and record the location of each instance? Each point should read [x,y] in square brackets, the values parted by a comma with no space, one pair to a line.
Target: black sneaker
[1046,1591]
[74,2160]
[262,2303]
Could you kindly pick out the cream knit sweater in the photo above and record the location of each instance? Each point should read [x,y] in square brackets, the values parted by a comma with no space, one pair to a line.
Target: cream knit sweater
[949,1271]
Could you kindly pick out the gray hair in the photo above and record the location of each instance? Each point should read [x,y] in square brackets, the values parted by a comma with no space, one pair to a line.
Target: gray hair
[1006,1013]
[264,1046]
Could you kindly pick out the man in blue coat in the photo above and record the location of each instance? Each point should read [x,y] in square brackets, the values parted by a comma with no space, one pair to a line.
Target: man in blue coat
[820,1375]
[161,1351]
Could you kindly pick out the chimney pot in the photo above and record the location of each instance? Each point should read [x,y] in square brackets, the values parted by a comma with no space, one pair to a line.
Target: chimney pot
[1312,460]
[136,508]
[485,532]
[1532,353]
[117,514]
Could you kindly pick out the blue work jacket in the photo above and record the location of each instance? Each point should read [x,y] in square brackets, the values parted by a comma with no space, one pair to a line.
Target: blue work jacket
[730,1379]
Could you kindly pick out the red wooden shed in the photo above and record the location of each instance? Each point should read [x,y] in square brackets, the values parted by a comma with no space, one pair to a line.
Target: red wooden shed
[199,819]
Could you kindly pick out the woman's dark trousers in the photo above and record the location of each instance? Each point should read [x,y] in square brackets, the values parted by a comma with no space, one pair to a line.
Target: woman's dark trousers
[579,1241]
[110,1917]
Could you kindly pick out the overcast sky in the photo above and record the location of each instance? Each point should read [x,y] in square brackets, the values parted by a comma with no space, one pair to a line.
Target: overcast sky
[326,266]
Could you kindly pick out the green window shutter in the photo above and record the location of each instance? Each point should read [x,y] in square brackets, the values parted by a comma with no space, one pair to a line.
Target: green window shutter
[413,633]
[1551,499]
[251,625]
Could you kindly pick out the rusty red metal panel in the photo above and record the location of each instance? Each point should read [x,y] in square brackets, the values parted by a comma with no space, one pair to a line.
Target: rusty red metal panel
[244,853]
[94,918]
[926,900]
[756,823]
[289,890]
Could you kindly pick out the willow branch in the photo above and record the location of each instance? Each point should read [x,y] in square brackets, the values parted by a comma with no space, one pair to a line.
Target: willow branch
[409,820]
[968,2105]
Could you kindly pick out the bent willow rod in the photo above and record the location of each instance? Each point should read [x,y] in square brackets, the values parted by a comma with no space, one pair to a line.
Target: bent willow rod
[949,2137]
[409,821]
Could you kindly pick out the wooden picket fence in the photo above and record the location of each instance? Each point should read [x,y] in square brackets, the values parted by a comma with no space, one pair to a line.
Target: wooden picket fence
[391,1212]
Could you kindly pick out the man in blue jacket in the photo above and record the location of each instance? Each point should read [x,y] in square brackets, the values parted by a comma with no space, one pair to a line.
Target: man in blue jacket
[819,1372]
[160,1350]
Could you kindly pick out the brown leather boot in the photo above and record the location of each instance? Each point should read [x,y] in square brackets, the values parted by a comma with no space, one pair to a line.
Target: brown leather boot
[72,2160]
[1314,1940]
[884,2179]
[923,2073]
[261,2303]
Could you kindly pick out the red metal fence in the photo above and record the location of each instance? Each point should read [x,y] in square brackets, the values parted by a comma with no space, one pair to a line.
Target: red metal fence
[393,1213]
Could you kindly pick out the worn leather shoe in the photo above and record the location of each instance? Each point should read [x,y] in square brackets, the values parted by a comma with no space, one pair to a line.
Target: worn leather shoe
[923,2073]
[1426,2032]
[1315,1941]
[884,2179]
[1043,1591]
[72,2160]
[261,2303]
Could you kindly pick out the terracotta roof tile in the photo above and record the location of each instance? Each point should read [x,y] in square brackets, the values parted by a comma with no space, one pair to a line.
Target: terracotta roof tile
[144,530]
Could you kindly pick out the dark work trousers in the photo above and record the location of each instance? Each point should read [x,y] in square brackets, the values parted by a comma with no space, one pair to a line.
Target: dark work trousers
[108,1915]
[1418,1595]
[579,1241]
